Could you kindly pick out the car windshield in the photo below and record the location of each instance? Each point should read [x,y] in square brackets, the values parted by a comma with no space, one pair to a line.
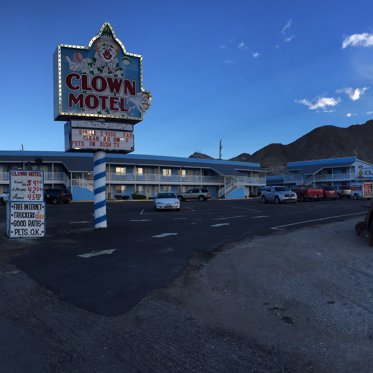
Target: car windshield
[281,189]
[166,195]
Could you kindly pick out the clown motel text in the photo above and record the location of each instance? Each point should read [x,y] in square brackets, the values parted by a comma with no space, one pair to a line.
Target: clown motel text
[99,92]
[108,140]
[26,220]
[26,186]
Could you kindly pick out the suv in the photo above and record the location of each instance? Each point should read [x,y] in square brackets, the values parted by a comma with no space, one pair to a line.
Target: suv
[200,194]
[278,194]
[57,196]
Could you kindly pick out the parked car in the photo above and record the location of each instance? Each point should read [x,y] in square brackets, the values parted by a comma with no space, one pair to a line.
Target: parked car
[3,198]
[57,196]
[166,201]
[200,194]
[308,193]
[278,194]
[329,193]
[344,191]
[121,196]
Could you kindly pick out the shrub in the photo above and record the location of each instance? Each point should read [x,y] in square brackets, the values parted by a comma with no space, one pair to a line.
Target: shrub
[138,196]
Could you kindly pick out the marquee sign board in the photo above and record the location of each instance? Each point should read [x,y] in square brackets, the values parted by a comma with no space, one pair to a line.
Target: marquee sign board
[99,81]
[96,138]
[26,207]
[26,186]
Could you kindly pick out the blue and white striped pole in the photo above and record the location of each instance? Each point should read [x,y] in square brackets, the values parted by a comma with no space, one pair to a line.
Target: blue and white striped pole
[99,186]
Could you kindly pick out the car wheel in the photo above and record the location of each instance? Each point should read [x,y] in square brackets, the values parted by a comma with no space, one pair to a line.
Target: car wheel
[264,200]
[201,198]
[356,196]
[277,200]
[301,198]
[55,201]
[181,199]
[2,202]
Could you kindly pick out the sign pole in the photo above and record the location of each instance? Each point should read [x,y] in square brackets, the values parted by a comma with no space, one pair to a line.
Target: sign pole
[99,186]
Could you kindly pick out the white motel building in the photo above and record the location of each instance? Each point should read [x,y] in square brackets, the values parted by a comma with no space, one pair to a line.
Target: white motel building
[133,173]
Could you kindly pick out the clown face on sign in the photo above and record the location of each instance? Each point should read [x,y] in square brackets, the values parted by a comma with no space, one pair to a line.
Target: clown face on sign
[106,55]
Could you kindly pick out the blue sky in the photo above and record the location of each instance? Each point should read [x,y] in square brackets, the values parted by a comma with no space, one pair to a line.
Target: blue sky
[248,72]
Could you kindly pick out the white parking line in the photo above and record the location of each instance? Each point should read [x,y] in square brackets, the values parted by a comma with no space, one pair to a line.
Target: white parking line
[141,220]
[243,208]
[260,216]
[142,211]
[190,209]
[218,225]
[280,227]
[80,222]
[230,217]
[165,235]
[97,253]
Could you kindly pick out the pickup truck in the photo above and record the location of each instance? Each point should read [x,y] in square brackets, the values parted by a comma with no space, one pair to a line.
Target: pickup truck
[308,193]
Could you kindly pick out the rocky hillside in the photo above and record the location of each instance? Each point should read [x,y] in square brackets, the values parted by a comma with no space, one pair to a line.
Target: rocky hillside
[321,143]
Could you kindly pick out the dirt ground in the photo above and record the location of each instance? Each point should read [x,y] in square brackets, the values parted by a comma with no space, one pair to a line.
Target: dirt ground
[298,301]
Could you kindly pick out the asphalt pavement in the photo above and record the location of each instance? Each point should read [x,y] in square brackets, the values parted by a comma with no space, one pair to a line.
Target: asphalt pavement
[108,271]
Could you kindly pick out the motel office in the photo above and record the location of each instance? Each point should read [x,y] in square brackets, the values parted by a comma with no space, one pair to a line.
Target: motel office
[132,173]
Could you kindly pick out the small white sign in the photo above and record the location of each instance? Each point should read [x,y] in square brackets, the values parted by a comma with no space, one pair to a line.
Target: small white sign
[26,185]
[26,220]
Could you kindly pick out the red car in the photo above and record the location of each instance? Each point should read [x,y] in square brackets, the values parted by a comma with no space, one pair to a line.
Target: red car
[329,193]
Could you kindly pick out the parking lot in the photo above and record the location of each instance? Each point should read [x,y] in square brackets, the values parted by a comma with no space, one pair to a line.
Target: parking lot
[219,286]
[108,271]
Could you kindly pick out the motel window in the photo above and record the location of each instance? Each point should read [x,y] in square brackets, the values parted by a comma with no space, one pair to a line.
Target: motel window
[120,170]
[139,189]
[166,172]
[139,171]
[120,188]
[182,173]
[166,188]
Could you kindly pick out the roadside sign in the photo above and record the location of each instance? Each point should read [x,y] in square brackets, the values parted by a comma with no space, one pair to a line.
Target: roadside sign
[26,206]
[26,219]
[367,190]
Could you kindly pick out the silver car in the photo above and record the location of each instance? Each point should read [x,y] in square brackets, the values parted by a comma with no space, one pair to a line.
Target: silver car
[166,201]
[278,194]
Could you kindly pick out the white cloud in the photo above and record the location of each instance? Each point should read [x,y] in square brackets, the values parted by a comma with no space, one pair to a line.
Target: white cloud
[287,26]
[242,45]
[353,94]
[369,112]
[229,62]
[256,54]
[358,40]
[349,115]
[289,39]
[322,103]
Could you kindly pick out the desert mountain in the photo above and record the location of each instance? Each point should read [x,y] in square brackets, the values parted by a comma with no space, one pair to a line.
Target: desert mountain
[321,143]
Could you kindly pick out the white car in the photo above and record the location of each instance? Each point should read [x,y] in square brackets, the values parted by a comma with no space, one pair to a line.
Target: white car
[278,194]
[166,201]
[3,198]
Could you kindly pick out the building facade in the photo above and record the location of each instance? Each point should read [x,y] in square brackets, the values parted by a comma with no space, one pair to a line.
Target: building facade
[325,172]
[141,174]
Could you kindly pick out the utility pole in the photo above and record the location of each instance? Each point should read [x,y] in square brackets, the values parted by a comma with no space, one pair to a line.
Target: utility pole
[220,149]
